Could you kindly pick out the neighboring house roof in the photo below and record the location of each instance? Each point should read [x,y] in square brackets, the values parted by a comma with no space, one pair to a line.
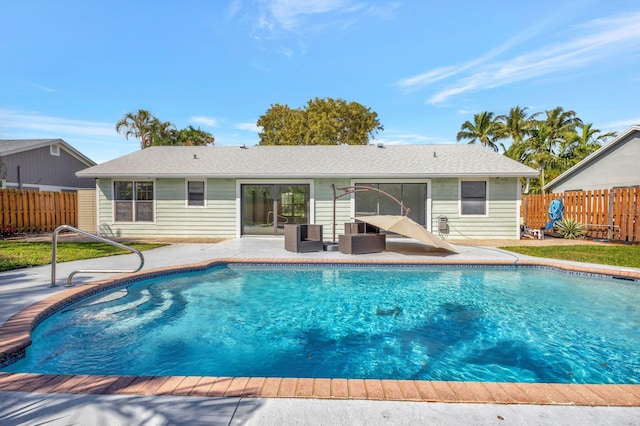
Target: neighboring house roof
[594,157]
[15,146]
[353,161]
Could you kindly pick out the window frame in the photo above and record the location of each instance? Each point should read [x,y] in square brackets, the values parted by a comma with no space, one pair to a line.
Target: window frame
[204,194]
[427,209]
[134,201]
[461,200]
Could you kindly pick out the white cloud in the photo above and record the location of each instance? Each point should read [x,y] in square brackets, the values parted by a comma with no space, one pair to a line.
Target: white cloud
[97,140]
[233,8]
[205,121]
[400,137]
[44,88]
[621,124]
[426,79]
[28,122]
[249,127]
[289,23]
[275,17]
[289,14]
[597,42]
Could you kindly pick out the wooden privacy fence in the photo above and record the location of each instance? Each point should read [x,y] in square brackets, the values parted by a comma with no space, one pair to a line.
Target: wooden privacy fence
[612,214]
[34,211]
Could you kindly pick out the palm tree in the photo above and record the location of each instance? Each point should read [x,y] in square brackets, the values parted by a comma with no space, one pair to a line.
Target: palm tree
[538,153]
[484,129]
[515,125]
[136,125]
[160,133]
[192,137]
[547,138]
[561,124]
[584,143]
[145,126]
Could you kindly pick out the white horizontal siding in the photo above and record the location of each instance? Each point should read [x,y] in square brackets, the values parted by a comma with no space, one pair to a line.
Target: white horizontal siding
[500,223]
[219,217]
[172,216]
[324,207]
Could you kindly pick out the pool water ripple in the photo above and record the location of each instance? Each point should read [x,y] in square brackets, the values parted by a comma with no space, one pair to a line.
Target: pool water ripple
[337,321]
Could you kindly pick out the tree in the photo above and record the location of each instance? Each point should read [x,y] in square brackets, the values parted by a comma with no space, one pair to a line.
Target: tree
[322,122]
[160,132]
[153,132]
[282,125]
[561,124]
[558,127]
[515,125]
[192,137]
[551,144]
[539,152]
[485,129]
[582,144]
[136,125]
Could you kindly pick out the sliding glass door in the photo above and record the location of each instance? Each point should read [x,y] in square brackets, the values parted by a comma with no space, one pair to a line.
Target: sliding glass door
[412,195]
[267,208]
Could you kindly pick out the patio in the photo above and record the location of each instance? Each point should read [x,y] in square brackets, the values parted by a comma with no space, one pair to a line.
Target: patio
[21,288]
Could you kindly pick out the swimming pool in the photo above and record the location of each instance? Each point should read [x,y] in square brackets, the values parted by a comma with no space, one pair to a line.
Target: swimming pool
[419,323]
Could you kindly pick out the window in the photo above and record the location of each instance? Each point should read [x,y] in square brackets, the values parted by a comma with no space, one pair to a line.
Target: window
[473,197]
[133,201]
[412,196]
[195,193]
[54,150]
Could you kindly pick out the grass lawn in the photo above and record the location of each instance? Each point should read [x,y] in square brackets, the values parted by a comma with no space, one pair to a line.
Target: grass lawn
[603,254]
[21,254]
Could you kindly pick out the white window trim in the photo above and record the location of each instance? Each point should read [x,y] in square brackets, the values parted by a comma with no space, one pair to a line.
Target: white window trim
[519,219]
[240,182]
[113,202]
[427,210]
[54,150]
[486,202]
[186,193]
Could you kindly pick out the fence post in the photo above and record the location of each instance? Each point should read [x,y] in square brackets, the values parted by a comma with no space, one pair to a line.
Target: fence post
[610,222]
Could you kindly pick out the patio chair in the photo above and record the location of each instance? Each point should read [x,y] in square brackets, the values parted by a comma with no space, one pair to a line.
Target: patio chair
[303,238]
[360,238]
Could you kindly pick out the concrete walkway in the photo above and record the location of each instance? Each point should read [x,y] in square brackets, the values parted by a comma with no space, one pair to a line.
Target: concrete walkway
[21,288]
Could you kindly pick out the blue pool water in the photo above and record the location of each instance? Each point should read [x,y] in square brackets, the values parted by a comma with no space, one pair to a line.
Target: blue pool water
[491,324]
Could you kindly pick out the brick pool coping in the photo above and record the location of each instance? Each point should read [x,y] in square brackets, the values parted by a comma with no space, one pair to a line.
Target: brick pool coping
[15,337]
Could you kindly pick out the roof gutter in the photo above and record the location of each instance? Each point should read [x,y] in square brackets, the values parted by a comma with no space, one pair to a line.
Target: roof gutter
[302,176]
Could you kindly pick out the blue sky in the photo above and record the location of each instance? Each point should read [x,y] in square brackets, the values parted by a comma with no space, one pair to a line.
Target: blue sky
[72,68]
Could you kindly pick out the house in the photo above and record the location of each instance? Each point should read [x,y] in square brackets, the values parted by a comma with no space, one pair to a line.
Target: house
[225,191]
[615,165]
[42,164]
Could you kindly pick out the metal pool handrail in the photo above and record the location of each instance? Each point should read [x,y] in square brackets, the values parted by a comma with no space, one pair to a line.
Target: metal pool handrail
[54,250]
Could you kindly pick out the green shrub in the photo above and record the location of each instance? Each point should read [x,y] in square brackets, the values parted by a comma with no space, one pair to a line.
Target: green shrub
[571,228]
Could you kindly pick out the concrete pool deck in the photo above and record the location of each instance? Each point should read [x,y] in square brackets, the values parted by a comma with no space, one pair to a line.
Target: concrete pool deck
[25,398]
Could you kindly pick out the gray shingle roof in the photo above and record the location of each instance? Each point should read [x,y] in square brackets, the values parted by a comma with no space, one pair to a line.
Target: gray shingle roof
[312,161]
[593,157]
[14,146]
